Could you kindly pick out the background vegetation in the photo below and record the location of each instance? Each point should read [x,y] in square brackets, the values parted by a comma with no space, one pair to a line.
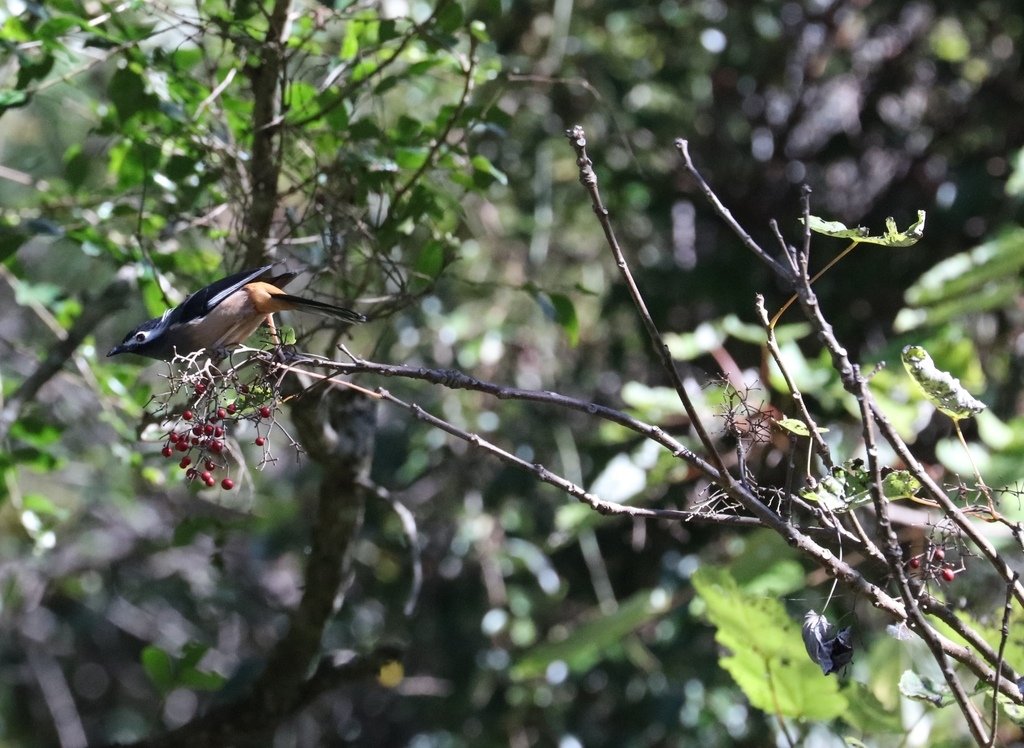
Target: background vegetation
[412,158]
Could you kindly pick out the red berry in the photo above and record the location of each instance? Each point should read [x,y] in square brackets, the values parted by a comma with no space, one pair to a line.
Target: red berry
[181,446]
[210,465]
[208,430]
[218,432]
[191,474]
[227,484]
[195,439]
[915,562]
[222,413]
[260,441]
[197,429]
[166,451]
[187,415]
[200,388]
[232,408]
[210,483]
[265,411]
[948,574]
[173,437]
[185,462]
[938,554]
[206,476]
[215,446]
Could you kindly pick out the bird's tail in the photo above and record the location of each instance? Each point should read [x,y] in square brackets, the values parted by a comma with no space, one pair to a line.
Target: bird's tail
[319,307]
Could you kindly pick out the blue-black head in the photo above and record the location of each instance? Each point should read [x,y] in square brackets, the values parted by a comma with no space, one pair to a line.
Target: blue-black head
[148,339]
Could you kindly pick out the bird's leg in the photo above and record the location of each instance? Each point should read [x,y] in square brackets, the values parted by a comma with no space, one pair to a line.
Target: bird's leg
[273,331]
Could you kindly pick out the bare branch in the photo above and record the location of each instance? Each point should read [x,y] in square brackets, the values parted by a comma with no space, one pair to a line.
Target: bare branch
[684,150]
[588,178]
[547,476]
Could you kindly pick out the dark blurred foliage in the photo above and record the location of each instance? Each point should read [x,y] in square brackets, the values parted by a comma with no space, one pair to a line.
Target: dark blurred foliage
[882,108]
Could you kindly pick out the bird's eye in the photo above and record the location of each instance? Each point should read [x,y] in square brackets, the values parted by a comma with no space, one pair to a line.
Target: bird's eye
[140,337]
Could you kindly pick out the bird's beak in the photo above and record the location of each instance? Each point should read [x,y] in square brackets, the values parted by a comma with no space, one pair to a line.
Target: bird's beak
[115,350]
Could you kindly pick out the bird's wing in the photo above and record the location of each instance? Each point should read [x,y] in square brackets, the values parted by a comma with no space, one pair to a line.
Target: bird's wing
[202,301]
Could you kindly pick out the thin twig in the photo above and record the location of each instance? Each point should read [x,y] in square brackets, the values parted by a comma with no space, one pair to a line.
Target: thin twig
[453,379]
[794,392]
[442,137]
[547,476]
[1004,636]
[853,383]
[588,178]
[778,315]
[726,215]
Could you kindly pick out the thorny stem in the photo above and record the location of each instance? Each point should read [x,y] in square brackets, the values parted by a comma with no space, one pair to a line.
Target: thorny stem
[985,490]
[950,509]
[1004,635]
[794,392]
[894,557]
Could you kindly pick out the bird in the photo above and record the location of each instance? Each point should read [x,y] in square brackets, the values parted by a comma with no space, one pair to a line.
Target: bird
[223,314]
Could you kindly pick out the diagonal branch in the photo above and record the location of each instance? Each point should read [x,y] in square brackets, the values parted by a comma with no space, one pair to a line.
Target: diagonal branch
[456,380]
[588,178]
[547,476]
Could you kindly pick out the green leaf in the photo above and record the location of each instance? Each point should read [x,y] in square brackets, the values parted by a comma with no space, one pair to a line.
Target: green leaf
[796,426]
[159,667]
[483,166]
[923,688]
[835,228]
[892,237]
[983,278]
[766,655]
[589,643]
[767,565]
[565,315]
[12,99]
[943,390]
[900,484]
[127,92]
[430,260]
[1015,184]
[848,486]
[42,507]
[450,17]
[350,42]
[411,158]
[866,713]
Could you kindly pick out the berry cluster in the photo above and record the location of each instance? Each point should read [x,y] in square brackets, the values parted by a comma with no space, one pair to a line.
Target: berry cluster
[934,564]
[200,431]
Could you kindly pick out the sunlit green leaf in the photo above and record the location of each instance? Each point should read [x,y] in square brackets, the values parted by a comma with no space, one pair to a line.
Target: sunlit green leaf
[943,390]
[764,651]
[892,237]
